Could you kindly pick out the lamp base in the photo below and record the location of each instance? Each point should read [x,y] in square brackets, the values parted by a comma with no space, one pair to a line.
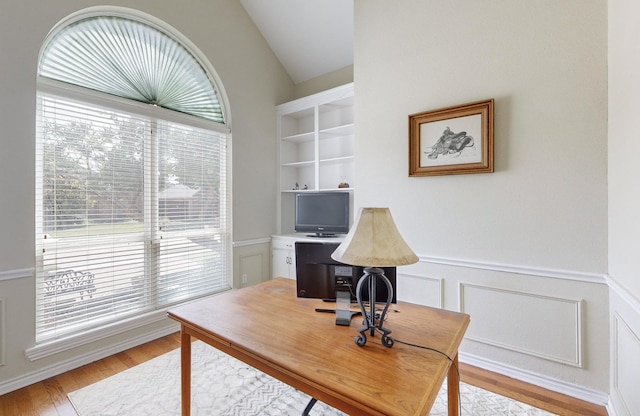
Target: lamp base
[372,320]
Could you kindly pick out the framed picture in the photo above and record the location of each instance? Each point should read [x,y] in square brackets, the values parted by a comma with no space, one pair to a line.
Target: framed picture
[453,140]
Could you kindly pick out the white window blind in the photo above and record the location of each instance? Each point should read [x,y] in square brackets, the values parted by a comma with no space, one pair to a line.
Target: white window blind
[132,174]
[131,59]
[132,215]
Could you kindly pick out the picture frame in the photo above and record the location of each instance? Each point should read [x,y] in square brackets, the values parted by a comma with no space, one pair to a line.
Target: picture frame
[452,141]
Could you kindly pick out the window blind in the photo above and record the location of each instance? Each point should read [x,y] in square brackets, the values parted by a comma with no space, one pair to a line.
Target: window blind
[131,59]
[132,215]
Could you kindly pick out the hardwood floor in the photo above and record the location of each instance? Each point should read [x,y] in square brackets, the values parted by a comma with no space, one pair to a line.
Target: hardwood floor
[49,397]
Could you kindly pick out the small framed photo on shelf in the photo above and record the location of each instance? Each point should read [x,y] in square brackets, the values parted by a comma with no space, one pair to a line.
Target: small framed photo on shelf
[452,140]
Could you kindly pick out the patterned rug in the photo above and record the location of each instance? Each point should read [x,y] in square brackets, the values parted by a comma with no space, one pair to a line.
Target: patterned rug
[222,385]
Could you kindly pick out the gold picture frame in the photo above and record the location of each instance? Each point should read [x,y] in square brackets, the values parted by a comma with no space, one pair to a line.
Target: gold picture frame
[452,141]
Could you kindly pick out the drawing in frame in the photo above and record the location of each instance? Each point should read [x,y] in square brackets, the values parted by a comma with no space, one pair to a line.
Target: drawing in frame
[451,141]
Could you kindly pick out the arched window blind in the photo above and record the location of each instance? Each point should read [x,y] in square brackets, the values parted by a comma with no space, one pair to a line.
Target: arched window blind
[134,60]
[133,196]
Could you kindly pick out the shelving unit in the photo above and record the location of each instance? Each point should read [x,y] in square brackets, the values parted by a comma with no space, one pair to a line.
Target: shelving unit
[316,148]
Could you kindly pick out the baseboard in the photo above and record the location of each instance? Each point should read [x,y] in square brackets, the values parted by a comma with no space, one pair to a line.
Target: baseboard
[68,365]
[570,389]
[611,410]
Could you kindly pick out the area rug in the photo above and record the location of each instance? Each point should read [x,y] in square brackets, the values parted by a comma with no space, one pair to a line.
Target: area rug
[222,385]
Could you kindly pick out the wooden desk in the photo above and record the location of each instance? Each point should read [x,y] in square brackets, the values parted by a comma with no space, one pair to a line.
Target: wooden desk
[269,328]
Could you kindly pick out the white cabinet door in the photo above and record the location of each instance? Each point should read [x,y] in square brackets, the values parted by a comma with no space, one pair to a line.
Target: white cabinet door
[283,262]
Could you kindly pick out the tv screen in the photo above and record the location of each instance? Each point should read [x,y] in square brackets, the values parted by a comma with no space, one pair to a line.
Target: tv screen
[322,213]
[318,276]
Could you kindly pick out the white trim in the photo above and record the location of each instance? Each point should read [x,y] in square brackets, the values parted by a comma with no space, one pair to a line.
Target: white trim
[315,100]
[80,360]
[83,96]
[524,270]
[610,408]
[509,268]
[17,274]
[436,280]
[580,392]
[3,325]
[576,361]
[257,241]
[624,295]
[618,324]
[49,348]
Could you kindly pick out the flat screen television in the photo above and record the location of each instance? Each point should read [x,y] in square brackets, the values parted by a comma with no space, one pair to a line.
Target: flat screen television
[322,213]
[318,276]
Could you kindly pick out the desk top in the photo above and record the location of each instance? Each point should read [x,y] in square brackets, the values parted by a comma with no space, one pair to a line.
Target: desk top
[268,327]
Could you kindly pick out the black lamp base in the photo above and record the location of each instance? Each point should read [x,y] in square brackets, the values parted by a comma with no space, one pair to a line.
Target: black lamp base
[373,320]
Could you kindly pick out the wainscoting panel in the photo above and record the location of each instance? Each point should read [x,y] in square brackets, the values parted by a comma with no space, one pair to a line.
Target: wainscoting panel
[2,331]
[540,326]
[251,262]
[422,290]
[626,366]
[251,266]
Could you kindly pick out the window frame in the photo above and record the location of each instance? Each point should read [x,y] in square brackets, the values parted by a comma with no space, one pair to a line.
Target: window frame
[80,94]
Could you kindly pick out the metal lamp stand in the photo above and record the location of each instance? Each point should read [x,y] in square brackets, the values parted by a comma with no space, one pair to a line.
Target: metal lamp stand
[372,320]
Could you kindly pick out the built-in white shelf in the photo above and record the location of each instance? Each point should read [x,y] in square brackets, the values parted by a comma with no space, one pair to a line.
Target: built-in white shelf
[315,147]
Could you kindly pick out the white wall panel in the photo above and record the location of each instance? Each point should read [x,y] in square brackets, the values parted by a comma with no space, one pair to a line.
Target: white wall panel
[541,326]
[626,365]
[251,262]
[251,267]
[2,330]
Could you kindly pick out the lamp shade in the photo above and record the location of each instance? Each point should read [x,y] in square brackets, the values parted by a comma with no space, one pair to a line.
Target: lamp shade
[374,241]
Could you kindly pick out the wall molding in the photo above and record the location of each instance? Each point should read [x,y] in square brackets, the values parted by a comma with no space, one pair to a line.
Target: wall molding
[243,243]
[624,347]
[17,273]
[501,267]
[2,330]
[624,295]
[599,278]
[435,281]
[572,330]
[618,362]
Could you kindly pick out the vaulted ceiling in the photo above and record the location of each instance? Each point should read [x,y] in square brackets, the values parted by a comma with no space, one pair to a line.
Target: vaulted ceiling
[309,37]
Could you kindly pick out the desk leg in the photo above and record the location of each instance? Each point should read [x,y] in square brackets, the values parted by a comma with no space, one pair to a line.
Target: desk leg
[185,367]
[453,387]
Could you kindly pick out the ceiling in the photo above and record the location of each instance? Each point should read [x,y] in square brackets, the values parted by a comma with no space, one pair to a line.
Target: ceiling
[309,37]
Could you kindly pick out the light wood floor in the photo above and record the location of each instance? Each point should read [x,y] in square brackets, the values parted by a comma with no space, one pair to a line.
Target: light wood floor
[49,397]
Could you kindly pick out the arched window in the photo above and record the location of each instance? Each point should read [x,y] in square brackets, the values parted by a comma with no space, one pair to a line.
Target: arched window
[133,171]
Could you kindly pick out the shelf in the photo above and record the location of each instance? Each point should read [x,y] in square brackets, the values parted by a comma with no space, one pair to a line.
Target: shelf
[303,164]
[343,130]
[336,189]
[300,138]
[342,159]
[298,191]
[315,148]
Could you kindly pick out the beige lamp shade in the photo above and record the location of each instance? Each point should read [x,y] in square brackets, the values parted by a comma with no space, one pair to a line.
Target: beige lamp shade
[374,241]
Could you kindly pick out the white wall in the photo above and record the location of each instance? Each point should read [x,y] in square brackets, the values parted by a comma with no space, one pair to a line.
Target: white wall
[523,249]
[624,203]
[254,81]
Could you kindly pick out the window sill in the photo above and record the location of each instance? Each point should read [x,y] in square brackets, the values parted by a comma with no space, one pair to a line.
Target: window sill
[53,347]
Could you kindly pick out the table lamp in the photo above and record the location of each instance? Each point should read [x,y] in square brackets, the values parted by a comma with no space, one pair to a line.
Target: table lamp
[374,242]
